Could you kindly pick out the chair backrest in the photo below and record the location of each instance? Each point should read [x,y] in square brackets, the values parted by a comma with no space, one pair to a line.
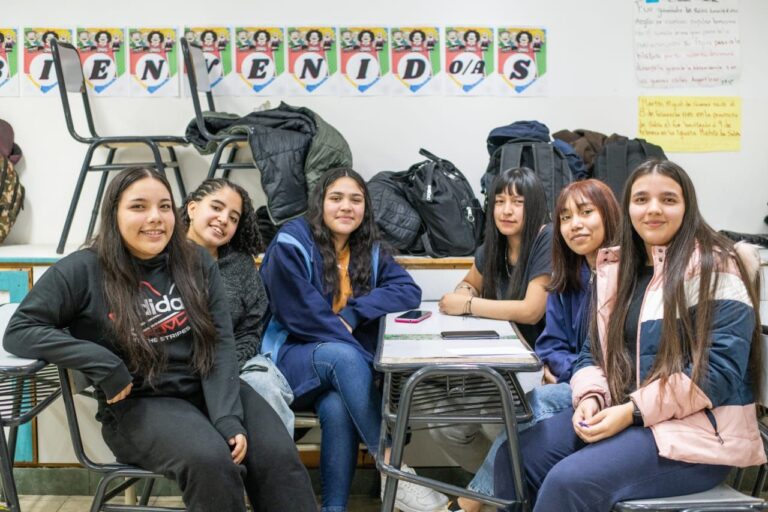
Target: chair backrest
[199,83]
[69,72]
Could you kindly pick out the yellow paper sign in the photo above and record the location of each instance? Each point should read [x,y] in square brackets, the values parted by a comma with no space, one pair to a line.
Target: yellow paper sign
[691,123]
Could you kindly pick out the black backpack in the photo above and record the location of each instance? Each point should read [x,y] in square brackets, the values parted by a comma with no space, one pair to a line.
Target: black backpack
[543,158]
[451,215]
[398,222]
[618,158]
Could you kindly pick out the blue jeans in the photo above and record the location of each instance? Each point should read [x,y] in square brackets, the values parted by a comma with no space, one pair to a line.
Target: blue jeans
[263,376]
[349,409]
[566,474]
[545,402]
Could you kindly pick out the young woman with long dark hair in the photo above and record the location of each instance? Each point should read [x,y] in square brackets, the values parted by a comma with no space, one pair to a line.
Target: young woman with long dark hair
[664,387]
[219,217]
[586,219]
[509,277]
[508,281]
[329,282]
[143,315]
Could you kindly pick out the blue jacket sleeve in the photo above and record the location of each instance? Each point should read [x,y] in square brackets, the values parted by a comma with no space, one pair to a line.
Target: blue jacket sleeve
[556,345]
[294,300]
[395,291]
[584,358]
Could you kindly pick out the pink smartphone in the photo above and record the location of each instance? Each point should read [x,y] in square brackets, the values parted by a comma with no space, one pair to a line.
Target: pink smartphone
[413,316]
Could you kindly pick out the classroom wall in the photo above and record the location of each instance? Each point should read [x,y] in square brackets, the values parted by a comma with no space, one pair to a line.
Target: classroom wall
[590,75]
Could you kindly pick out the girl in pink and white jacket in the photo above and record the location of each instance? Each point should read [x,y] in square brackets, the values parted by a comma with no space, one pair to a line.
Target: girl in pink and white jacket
[664,392]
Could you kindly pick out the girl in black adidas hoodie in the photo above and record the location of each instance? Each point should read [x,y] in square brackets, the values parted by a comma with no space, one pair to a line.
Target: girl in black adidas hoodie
[142,313]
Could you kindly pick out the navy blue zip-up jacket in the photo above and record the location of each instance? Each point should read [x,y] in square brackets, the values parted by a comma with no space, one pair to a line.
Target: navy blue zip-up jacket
[302,314]
[567,322]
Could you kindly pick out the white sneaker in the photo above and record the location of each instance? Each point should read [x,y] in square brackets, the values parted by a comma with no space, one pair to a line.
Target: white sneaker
[415,498]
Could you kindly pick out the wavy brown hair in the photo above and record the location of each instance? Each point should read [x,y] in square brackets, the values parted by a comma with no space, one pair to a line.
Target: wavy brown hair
[121,285]
[566,264]
[685,340]
[361,240]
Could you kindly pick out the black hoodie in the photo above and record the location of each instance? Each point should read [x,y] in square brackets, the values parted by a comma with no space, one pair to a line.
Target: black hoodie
[64,321]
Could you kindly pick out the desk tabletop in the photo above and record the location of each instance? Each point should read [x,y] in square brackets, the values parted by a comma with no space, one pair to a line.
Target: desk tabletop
[408,346]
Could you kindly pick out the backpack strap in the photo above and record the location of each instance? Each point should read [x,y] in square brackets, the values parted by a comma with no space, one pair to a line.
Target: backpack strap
[544,159]
[616,166]
[511,156]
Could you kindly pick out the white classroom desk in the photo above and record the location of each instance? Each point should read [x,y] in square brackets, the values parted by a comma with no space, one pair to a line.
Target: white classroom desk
[421,370]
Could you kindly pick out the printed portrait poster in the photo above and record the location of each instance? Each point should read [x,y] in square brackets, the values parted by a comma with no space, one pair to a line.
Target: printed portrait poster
[259,60]
[312,59]
[153,62]
[522,58]
[217,49]
[102,53]
[468,58]
[416,59]
[364,55]
[9,62]
[38,61]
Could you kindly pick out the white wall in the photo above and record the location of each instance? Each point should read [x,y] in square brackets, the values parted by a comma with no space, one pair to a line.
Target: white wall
[591,85]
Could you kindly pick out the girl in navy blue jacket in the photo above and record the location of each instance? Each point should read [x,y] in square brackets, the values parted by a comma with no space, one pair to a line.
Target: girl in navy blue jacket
[328,284]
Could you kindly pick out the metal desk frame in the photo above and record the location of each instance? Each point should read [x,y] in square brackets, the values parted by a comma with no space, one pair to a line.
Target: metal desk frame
[400,417]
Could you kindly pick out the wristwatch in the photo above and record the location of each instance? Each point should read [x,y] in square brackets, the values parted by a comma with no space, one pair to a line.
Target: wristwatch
[637,416]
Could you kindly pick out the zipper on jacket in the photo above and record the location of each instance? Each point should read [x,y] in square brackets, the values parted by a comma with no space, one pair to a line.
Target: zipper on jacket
[470,216]
[713,421]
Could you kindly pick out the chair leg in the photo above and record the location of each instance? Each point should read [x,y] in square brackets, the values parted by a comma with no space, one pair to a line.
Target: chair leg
[177,173]
[230,159]
[6,475]
[762,475]
[75,199]
[100,194]
[147,492]
[215,161]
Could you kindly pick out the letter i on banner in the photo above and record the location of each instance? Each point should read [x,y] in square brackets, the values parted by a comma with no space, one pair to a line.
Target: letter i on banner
[38,60]
[153,62]
[364,56]
[522,59]
[259,60]
[312,58]
[217,50]
[102,54]
[468,58]
[9,62]
[416,59]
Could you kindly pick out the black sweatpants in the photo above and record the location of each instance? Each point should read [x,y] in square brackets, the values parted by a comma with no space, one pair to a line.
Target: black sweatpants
[174,437]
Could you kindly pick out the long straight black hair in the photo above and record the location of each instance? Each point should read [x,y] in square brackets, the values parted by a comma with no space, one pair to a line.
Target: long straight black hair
[523,182]
[121,285]
[684,339]
[360,241]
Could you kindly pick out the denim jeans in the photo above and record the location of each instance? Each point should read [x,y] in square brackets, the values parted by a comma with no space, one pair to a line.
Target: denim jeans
[263,376]
[545,402]
[349,409]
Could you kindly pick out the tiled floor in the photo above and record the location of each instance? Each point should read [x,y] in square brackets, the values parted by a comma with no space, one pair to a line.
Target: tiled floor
[83,503]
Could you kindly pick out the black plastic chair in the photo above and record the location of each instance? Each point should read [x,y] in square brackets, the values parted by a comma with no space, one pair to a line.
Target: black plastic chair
[197,75]
[110,471]
[69,71]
